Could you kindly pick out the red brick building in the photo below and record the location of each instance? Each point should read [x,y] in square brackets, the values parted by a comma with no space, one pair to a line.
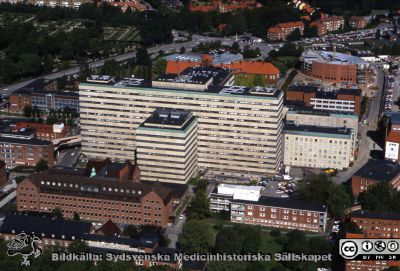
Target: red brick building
[99,198]
[357,22]
[44,131]
[392,140]
[223,6]
[377,225]
[373,172]
[328,24]
[280,213]
[3,174]
[120,171]
[25,151]
[345,100]
[282,30]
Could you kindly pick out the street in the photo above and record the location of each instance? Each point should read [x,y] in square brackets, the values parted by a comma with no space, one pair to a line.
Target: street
[265,48]
[366,144]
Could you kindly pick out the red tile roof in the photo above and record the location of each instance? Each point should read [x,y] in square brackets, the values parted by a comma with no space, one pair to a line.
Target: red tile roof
[393,137]
[249,67]
[290,24]
[109,229]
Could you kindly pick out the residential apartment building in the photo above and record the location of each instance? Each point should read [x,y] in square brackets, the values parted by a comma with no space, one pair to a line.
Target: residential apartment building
[328,24]
[318,147]
[25,150]
[337,100]
[167,146]
[392,140]
[280,213]
[373,172]
[377,225]
[99,198]
[223,194]
[357,22]
[282,30]
[239,128]
[44,131]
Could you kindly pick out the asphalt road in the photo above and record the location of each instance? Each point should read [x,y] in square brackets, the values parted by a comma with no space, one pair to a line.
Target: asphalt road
[167,48]
[366,144]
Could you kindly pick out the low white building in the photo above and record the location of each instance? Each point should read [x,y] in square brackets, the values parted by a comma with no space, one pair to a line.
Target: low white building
[223,194]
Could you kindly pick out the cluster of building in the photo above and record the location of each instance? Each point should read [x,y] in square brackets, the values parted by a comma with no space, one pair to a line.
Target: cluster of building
[247,205]
[222,6]
[328,24]
[238,129]
[177,63]
[43,94]
[102,191]
[107,238]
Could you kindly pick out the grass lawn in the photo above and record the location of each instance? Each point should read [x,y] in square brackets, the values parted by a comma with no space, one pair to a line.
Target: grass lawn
[250,80]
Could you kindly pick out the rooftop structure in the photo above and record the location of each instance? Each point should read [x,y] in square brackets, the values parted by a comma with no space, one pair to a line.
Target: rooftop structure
[217,59]
[317,131]
[240,192]
[333,58]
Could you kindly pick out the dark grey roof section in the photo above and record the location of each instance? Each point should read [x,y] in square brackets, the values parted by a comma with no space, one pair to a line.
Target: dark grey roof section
[286,203]
[33,141]
[379,170]
[316,129]
[168,116]
[148,240]
[41,224]
[373,215]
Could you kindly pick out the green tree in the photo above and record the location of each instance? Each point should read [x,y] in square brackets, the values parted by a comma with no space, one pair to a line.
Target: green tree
[228,241]
[258,80]
[131,231]
[57,212]
[199,206]
[251,237]
[196,237]
[338,200]
[159,67]
[78,246]
[378,198]
[76,216]
[41,166]
[295,35]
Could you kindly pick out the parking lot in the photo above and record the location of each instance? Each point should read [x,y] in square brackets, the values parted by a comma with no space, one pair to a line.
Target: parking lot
[277,188]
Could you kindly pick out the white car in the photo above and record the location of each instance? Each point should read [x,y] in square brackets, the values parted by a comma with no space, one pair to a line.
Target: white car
[181,217]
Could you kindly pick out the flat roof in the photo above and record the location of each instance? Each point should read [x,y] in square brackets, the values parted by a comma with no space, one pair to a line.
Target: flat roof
[379,170]
[375,215]
[286,203]
[32,141]
[290,128]
[217,58]
[169,118]
[303,110]
[333,58]
[325,93]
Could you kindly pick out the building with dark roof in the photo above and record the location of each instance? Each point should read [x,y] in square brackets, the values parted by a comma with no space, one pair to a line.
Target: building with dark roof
[280,213]
[315,97]
[167,146]
[43,95]
[99,198]
[377,225]
[50,229]
[318,147]
[373,172]
[3,174]
[108,169]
